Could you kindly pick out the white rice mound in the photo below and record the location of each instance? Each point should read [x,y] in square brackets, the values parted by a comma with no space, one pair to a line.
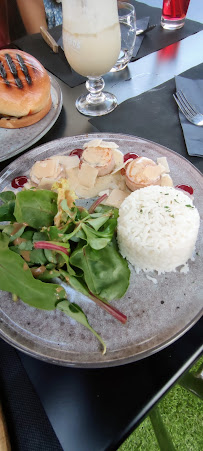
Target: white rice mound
[157,228]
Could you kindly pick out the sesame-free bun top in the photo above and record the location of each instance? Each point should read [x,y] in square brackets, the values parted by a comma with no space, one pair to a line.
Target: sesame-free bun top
[24,84]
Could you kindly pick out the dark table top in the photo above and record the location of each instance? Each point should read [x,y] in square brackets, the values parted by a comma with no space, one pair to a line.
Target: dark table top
[96,409]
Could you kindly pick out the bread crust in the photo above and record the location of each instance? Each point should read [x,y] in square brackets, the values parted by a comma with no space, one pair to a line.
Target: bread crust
[24,84]
[26,121]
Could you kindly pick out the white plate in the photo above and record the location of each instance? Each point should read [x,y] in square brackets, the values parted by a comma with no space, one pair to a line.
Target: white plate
[157,314]
[13,142]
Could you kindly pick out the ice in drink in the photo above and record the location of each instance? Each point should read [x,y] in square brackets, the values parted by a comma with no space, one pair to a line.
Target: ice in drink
[174,13]
[91,36]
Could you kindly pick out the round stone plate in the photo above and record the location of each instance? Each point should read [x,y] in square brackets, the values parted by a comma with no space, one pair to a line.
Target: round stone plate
[13,142]
[158,314]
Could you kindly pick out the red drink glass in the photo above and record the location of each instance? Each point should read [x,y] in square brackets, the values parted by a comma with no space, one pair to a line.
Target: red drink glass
[174,13]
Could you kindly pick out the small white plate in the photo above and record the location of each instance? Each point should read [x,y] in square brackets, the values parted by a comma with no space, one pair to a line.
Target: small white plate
[13,142]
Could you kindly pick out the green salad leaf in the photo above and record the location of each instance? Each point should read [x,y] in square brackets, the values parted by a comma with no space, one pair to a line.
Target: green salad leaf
[7,196]
[74,311]
[48,236]
[7,209]
[106,273]
[17,278]
[36,208]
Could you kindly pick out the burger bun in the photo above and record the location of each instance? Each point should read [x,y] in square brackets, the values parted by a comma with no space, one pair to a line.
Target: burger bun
[25,89]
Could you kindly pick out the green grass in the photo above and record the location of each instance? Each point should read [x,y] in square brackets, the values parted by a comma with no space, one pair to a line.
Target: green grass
[182,414]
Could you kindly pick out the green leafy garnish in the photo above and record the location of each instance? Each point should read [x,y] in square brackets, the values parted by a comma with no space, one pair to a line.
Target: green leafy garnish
[7,209]
[48,236]
[74,311]
[16,277]
[105,272]
[36,208]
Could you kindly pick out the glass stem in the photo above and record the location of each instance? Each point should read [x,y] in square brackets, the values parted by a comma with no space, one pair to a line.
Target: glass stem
[95,85]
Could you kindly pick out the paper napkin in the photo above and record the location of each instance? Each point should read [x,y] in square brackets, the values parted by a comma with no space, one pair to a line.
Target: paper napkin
[193,134]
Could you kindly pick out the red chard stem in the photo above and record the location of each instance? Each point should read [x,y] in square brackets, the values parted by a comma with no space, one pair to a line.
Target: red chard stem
[51,246]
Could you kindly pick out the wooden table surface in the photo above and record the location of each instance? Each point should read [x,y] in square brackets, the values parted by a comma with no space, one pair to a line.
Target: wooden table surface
[4,438]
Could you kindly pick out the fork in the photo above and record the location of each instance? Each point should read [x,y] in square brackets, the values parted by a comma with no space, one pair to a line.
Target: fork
[189,111]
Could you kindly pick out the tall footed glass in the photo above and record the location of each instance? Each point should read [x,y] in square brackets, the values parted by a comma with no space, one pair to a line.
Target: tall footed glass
[91,40]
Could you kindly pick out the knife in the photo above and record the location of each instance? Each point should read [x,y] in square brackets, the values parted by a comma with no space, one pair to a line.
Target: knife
[53,44]
[140,31]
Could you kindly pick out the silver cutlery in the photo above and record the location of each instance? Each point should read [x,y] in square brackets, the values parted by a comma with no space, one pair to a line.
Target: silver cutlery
[140,31]
[189,110]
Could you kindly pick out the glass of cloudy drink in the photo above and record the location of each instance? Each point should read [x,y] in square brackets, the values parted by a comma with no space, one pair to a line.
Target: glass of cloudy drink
[91,41]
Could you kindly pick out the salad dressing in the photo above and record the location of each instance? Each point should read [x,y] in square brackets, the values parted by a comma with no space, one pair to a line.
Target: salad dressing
[16,227]
[37,271]
[26,255]
[18,241]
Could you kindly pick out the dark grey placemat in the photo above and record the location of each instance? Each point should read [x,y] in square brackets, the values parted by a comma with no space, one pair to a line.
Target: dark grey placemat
[152,115]
[151,42]
[159,38]
[140,24]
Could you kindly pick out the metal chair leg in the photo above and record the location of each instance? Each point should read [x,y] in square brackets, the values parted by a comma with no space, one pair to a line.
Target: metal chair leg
[162,435]
[193,382]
